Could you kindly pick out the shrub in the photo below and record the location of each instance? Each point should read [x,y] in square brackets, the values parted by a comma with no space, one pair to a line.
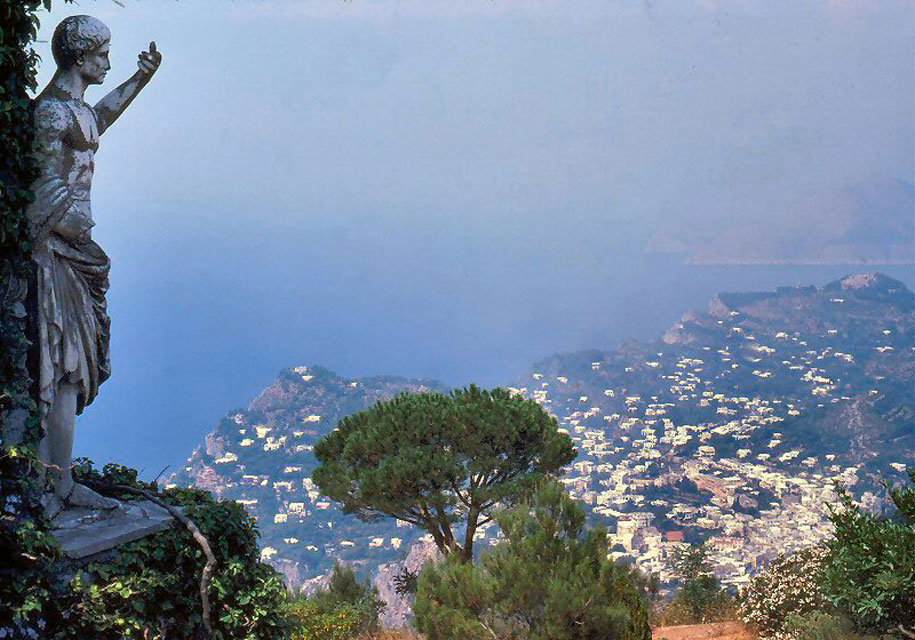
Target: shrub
[700,597]
[313,622]
[676,612]
[549,580]
[818,625]
[455,601]
[347,609]
[150,587]
[871,574]
[789,586]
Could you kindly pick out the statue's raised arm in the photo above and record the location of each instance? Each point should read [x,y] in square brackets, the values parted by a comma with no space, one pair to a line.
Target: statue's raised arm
[111,106]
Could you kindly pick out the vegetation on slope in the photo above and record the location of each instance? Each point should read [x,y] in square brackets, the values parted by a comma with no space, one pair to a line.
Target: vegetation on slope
[347,608]
[861,582]
[700,597]
[151,587]
[549,580]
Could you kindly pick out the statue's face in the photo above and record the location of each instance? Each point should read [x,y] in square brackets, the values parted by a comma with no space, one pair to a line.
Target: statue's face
[94,65]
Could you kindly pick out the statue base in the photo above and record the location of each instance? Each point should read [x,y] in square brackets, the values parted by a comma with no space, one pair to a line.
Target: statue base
[83,532]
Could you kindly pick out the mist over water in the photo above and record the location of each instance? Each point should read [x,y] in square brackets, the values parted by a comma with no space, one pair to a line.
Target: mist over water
[204,318]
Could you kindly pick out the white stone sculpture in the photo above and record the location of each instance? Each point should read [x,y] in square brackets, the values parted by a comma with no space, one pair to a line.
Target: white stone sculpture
[71,320]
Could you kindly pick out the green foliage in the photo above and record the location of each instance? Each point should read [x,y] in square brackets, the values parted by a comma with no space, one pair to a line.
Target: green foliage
[703,598]
[821,625]
[18,70]
[28,552]
[26,549]
[871,575]
[456,601]
[549,580]
[343,622]
[700,594]
[904,499]
[347,609]
[863,581]
[788,589]
[690,563]
[818,625]
[406,582]
[722,608]
[435,460]
[152,585]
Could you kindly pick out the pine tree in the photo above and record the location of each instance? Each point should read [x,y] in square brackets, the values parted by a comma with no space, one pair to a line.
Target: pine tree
[436,460]
[700,592]
[549,580]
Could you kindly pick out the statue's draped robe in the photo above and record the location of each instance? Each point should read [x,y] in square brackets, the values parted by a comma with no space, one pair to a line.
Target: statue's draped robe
[73,328]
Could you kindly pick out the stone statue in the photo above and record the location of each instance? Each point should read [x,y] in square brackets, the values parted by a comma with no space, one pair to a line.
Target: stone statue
[71,320]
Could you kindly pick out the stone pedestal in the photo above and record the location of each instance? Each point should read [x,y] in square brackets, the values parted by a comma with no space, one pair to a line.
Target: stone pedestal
[84,532]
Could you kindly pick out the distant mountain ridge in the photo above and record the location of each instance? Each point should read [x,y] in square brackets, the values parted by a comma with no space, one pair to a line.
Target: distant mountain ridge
[870,222]
[731,427]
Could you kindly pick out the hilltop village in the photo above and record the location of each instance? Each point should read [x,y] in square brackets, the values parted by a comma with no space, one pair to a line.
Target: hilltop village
[747,509]
[734,428]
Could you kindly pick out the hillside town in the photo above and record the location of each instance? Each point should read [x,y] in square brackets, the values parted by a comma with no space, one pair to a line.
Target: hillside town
[734,429]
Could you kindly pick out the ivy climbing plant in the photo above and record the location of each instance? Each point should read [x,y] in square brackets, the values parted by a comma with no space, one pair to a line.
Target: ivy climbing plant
[27,551]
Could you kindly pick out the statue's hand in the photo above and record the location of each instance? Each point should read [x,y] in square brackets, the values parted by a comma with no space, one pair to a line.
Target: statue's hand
[148,61]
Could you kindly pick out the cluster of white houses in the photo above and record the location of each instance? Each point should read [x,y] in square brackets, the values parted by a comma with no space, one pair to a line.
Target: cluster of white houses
[652,451]
[757,499]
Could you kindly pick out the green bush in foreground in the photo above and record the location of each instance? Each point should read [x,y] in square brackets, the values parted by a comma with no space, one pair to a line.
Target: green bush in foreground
[549,580]
[347,609]
[700,598]
[861,582]
[151,587]
[788,587]
[817,625]
[871,575]
[675,612]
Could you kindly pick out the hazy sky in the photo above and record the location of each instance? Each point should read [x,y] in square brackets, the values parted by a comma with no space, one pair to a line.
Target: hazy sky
[451,188]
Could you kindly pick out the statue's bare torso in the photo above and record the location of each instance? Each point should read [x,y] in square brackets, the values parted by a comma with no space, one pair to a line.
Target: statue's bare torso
[68,132]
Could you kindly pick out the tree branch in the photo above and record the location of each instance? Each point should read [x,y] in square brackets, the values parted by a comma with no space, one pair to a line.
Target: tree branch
[201,540]
[432,527]
[445,526]
[472,525]
[412,516]
[485,626]
[460,497]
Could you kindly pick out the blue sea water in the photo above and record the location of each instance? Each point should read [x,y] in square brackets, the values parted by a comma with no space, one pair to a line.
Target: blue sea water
[201,324]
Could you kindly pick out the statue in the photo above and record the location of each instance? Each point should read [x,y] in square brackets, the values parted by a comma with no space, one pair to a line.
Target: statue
[71,321]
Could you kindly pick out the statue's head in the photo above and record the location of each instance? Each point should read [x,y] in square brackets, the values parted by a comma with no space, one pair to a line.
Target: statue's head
[82,41]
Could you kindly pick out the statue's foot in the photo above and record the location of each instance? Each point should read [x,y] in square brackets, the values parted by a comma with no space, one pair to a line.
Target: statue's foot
[52,505]
[83,497]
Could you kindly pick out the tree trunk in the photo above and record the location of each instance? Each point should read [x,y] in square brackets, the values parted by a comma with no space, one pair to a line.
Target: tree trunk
[467,553]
